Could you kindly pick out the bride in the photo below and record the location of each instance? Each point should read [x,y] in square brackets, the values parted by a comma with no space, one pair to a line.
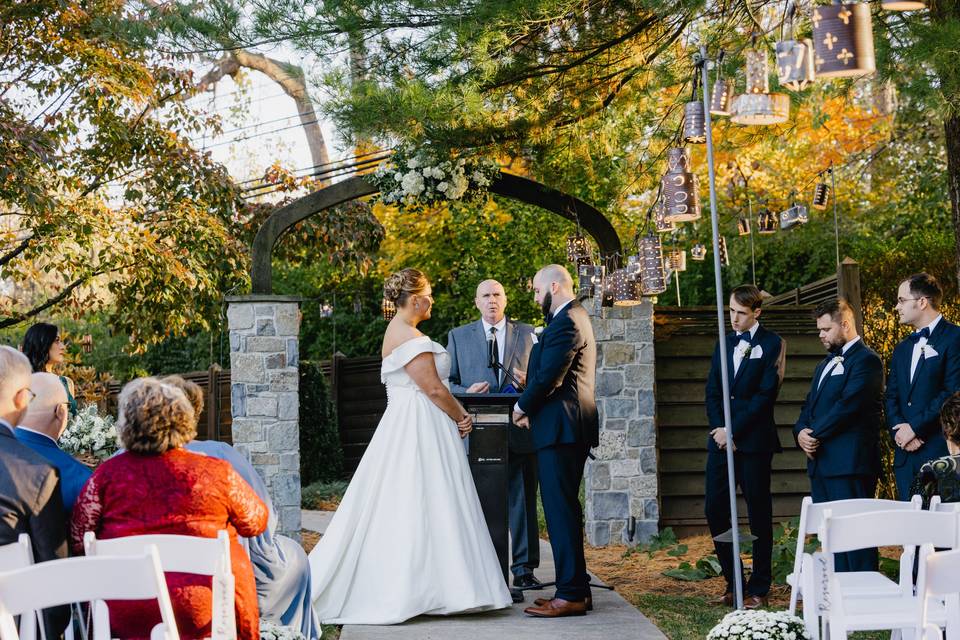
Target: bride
[409,537]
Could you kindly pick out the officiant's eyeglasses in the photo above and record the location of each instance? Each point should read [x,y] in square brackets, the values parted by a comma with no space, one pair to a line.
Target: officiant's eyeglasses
[902,300]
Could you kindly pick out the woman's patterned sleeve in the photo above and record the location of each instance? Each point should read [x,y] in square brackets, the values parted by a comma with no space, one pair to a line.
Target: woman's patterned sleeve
[87,512]
[248,513]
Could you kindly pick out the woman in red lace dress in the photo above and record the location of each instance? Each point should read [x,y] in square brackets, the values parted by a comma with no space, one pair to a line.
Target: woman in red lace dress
[156,486]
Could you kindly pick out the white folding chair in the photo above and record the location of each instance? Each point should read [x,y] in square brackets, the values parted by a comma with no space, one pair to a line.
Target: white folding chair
[939,585]
[62,582]
[185,554]
[18,555]
[899,612]
[944,507]
[855,584]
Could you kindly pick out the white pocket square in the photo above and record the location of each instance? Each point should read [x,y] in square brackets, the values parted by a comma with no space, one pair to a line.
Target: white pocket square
[756,353]
[837,370]
[928,352]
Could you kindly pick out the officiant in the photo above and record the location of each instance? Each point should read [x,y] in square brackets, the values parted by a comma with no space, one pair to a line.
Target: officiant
[471,347]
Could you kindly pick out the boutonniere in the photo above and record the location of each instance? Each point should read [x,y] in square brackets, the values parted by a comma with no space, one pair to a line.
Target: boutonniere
[837,360]
[745,350]
[537,331]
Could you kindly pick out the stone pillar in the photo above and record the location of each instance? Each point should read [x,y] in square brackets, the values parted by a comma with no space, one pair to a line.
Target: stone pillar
[622,481]
[264,394]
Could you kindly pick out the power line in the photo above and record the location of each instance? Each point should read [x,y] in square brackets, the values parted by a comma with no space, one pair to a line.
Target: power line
[385,153]
[260,134]
[329,173]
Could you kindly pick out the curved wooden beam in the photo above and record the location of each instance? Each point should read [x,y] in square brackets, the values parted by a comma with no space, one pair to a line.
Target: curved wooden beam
[507,185]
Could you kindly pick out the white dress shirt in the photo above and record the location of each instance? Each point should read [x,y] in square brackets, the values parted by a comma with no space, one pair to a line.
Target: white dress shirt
[829,368]
[501,338]
[741,346]
[920,344]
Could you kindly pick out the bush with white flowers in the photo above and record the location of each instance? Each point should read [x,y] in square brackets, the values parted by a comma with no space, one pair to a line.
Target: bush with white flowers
[757,625]
[91,434]
[418,174]
[274,631]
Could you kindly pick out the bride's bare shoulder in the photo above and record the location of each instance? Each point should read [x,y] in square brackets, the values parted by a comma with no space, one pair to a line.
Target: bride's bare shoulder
[397,333]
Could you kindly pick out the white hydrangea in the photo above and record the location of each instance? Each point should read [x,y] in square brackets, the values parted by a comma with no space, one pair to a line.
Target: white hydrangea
[89,433]
[412,183]
[759,625]
[417,175]
[274,631]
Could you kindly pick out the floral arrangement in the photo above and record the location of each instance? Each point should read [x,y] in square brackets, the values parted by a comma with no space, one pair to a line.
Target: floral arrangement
[91,435]
[274,631]
[754,625]
[418,174]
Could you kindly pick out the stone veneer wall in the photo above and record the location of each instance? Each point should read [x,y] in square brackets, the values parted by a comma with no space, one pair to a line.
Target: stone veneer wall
[264,392]
[622,481]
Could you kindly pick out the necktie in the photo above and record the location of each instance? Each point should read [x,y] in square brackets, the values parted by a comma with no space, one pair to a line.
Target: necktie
[923,333]
[496,353]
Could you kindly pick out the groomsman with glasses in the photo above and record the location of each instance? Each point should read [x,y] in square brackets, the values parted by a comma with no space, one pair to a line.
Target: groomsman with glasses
[839,424]
[924,372]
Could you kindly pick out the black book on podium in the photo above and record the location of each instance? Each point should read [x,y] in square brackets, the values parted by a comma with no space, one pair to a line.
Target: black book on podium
[489,457]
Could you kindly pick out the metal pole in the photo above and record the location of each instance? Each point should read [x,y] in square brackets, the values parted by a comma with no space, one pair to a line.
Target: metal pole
[753,259]
[677,276]
[836,224]
[721,330]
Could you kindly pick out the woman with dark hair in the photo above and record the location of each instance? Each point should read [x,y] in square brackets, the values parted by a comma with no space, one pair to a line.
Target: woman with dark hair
[941,477]
[157,486]
[45,348]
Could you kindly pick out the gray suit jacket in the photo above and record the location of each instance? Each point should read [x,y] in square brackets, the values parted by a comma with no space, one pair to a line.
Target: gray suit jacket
[467,346]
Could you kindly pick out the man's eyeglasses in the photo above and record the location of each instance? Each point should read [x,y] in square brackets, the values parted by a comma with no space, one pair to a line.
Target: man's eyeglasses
[902,300]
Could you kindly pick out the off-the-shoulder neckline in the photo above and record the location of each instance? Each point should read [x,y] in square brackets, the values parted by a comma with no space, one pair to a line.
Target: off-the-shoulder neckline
[405,343]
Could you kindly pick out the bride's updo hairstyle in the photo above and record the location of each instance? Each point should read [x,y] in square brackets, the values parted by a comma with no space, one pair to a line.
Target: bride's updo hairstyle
[399,287]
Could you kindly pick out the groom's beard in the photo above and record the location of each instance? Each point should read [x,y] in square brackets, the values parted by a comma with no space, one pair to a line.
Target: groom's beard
[545,306]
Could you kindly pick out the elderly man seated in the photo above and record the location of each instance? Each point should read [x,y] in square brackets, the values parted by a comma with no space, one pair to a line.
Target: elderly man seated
[280,565]
[41,428]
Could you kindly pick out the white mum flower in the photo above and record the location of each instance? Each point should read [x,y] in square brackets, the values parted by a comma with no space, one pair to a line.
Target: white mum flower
[412,183]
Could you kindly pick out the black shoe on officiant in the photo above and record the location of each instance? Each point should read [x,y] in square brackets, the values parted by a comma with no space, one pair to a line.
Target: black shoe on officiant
[527,581]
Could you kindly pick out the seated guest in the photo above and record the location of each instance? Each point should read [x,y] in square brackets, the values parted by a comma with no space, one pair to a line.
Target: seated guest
[942,476]
[30,499]
[157,487]
[41,428]
[45,348]
[280,565]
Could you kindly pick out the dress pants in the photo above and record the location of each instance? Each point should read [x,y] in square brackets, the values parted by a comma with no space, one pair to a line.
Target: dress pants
[560,468]
[752,473]
[522,506]
[844,488]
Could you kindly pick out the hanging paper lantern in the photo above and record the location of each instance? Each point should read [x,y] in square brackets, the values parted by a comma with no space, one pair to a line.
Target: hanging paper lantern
[694,123]
[757,106]
[577,248]
[843,40]
[680,188]
[591,277]
[388,309]
[625,290]
[698,252]
[722,250]
[677,258]
[795,215]
[795,63]
[743,226]
[821,195]
[722,97]
[766,222]
[652,277]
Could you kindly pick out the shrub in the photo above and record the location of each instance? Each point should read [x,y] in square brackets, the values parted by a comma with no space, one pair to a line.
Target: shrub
[321,456]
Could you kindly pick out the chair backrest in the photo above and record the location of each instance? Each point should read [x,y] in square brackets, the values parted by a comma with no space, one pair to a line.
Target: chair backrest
[18,555]
[947,507]
[888,528]
[181,554]
[943,572]
[61,582]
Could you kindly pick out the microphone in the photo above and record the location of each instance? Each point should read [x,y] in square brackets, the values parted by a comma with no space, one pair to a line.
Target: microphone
[491,351]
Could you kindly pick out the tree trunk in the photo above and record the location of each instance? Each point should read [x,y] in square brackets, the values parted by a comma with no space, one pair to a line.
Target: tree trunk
[944,14]
[952,130]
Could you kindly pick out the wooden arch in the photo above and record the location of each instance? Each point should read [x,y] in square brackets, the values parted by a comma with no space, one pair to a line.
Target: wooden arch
[508,185]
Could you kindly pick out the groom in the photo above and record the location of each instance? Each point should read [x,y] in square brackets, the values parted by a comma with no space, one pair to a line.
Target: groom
[560,407]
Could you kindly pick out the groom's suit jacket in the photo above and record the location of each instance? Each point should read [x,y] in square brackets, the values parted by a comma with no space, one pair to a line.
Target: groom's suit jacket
[467,346]
[844,413]
[560,397]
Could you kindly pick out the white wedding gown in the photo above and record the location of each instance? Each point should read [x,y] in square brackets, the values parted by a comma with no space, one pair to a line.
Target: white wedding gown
[409,537]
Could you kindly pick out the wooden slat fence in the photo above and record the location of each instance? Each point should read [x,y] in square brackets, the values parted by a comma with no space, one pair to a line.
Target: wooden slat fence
[684,342]
[360,399]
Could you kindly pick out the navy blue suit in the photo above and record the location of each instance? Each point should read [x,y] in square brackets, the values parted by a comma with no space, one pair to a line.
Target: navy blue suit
[753,393]
[845,414]
[561,403]
[73,473]
[918,402]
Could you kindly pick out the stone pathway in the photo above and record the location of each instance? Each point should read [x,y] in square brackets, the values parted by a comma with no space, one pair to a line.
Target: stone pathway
[612,617]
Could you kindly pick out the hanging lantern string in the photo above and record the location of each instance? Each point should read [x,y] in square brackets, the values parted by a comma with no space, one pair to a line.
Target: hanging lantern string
[789,13]
[647,220]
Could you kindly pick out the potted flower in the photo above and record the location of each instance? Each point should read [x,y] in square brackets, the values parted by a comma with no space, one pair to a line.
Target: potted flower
[754,625]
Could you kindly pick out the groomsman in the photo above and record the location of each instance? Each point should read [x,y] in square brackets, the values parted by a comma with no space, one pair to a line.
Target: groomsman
[924,371]
[755,361]
[839,425]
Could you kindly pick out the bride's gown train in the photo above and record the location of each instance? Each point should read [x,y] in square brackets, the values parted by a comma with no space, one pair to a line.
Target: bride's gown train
[409,537]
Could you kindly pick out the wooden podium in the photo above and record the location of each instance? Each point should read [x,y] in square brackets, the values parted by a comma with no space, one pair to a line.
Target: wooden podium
[489,456]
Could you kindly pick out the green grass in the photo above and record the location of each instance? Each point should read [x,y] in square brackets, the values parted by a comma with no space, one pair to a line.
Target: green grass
[312,495]
[329,632]
[688,618]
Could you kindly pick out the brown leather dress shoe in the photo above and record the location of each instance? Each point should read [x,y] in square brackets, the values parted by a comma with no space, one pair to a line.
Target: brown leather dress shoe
[539,602]
[557,608]
[725,600]
[755,602]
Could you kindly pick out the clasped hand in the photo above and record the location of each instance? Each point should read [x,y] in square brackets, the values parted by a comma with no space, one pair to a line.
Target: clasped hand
[720,437]
[906,438]
[465,425]
[807,442]
[522,420]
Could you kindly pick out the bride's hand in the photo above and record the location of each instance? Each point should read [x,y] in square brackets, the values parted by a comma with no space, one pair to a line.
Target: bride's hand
[465,425]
